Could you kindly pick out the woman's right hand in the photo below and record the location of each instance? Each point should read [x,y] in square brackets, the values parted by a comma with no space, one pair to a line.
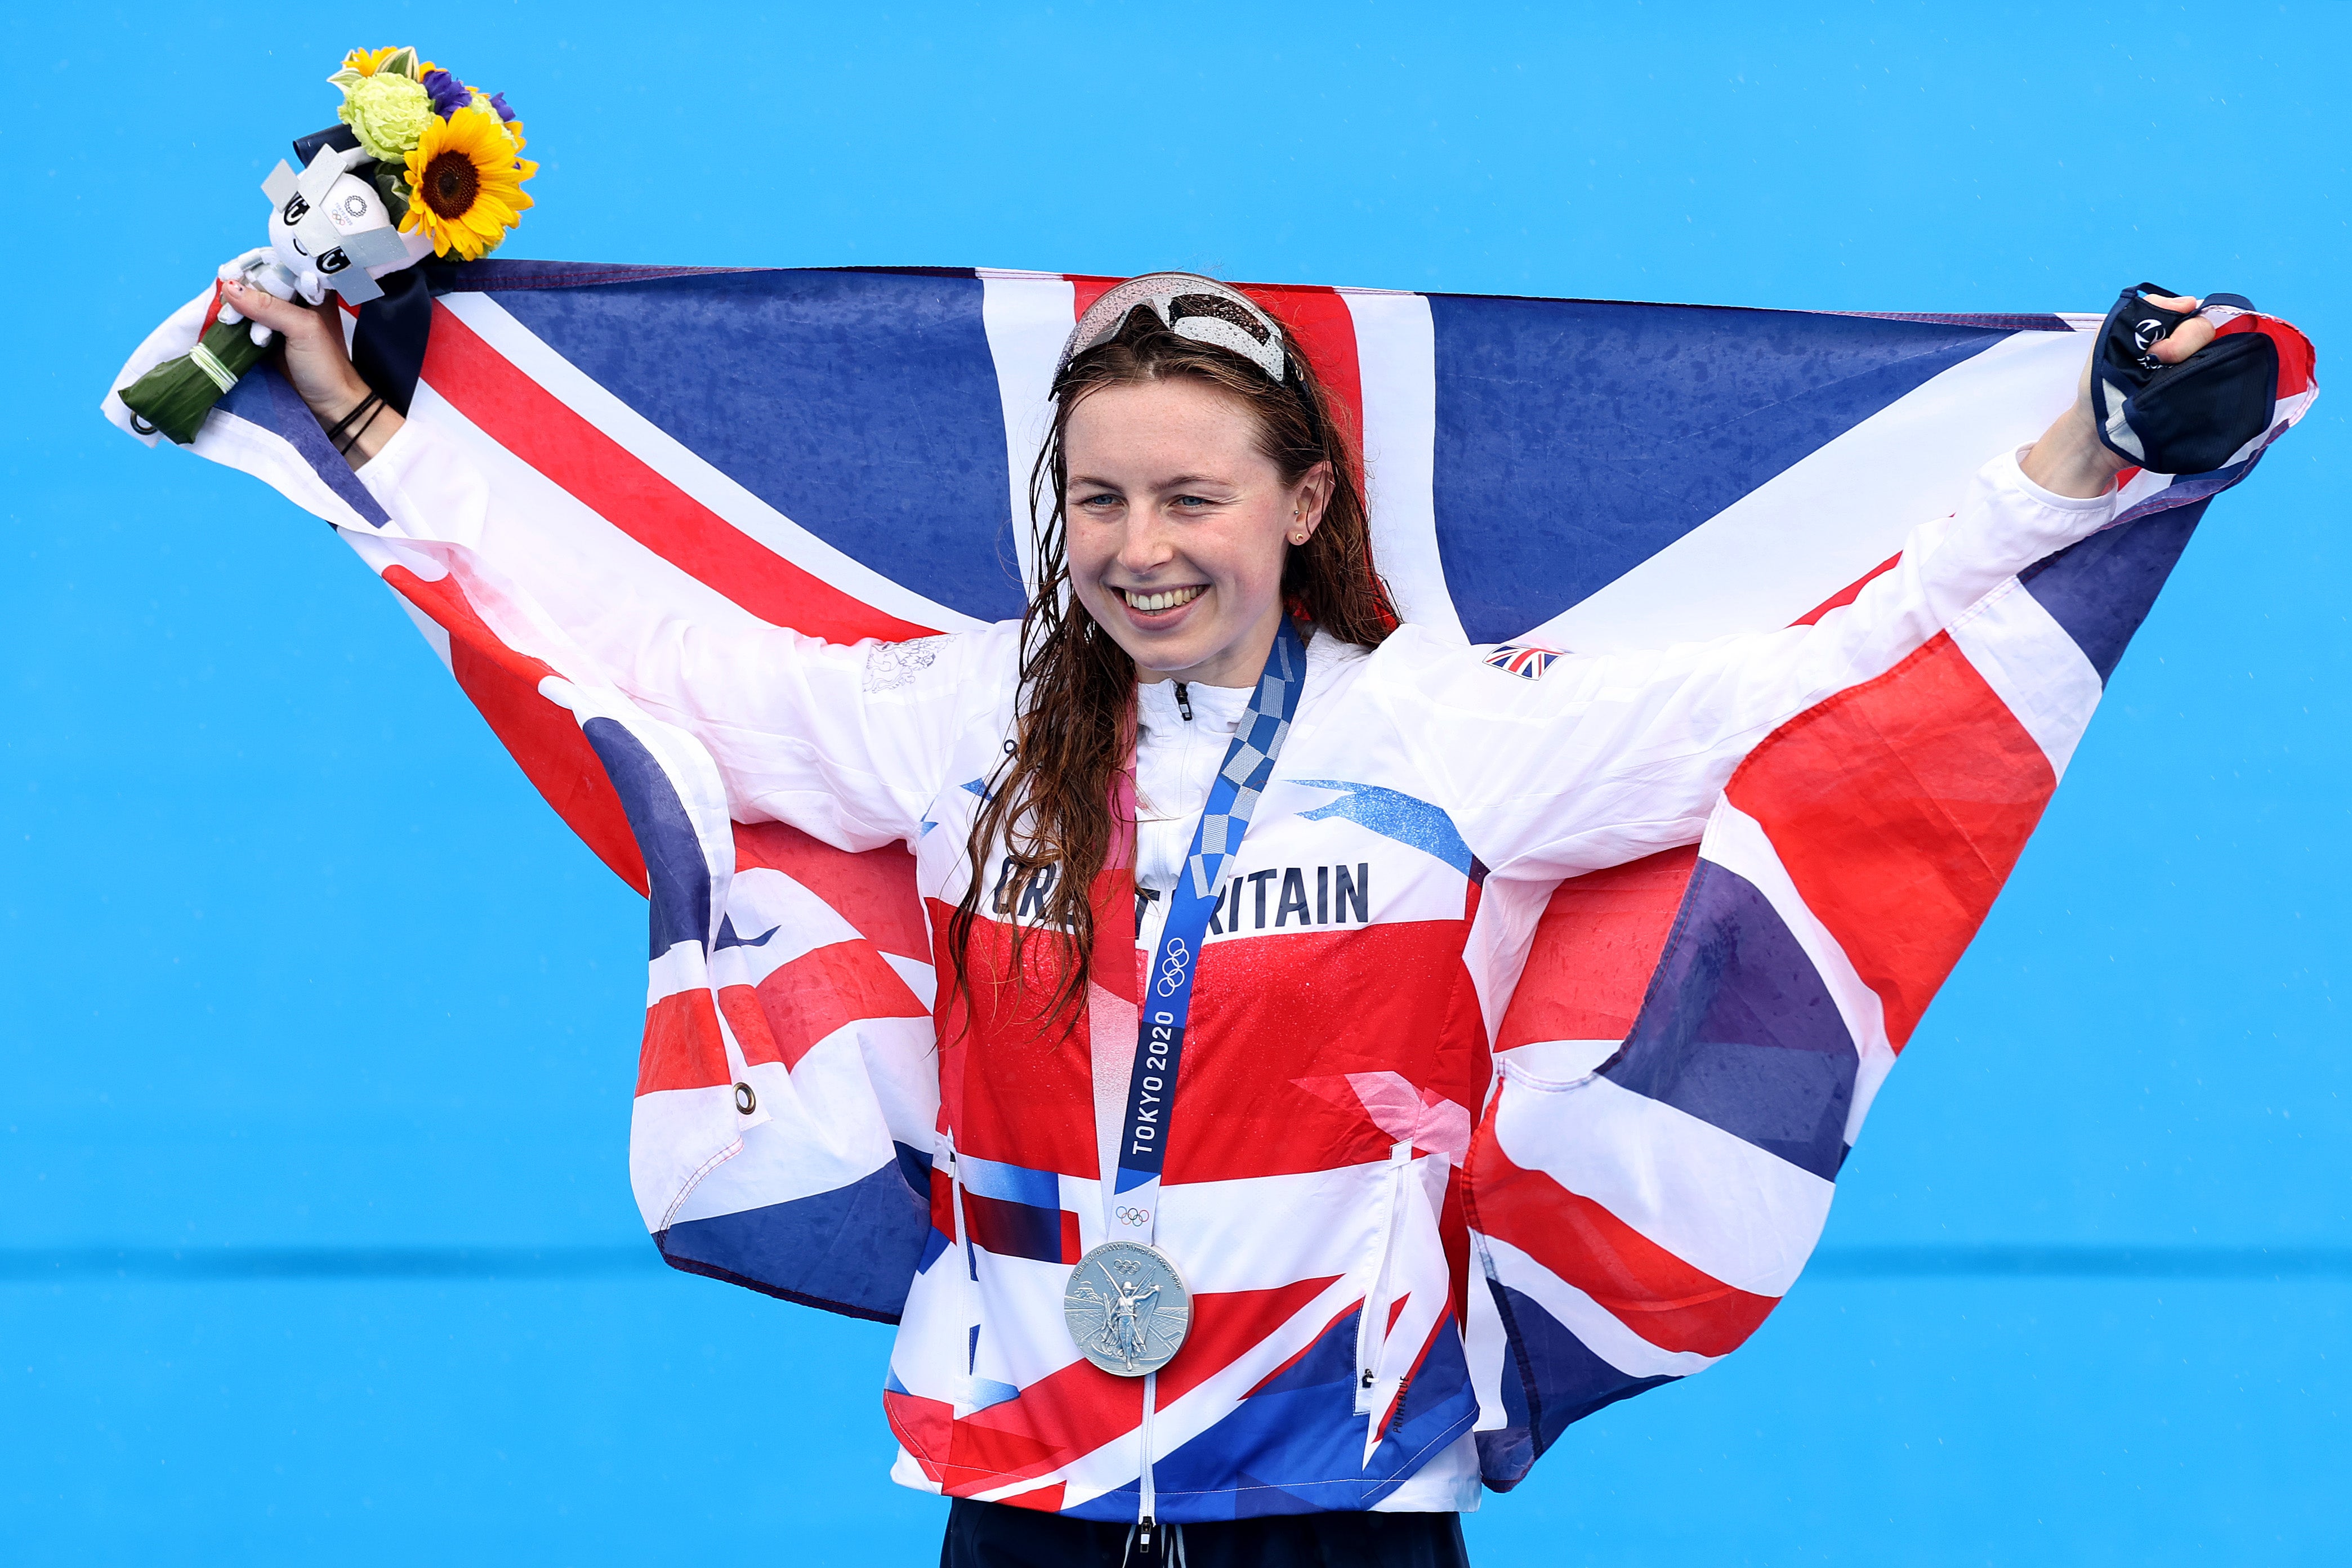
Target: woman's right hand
[315,361]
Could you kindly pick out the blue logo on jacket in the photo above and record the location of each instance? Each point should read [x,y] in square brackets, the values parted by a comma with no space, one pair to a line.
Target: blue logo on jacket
[1393,814]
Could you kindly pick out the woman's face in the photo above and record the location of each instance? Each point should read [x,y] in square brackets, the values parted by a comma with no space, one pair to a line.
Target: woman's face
[1178,527]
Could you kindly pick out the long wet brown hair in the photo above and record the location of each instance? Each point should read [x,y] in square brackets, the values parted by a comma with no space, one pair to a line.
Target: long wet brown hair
[1050,803]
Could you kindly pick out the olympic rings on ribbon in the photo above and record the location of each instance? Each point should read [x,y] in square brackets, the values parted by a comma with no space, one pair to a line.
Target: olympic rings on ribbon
[1172,967]
[1133,1215]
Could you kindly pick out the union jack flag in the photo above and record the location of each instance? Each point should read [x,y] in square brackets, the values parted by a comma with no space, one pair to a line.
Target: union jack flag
[845,453]
[1525,662]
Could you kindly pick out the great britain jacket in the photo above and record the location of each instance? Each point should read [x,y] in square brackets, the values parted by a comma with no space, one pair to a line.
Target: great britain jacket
[1374,1174]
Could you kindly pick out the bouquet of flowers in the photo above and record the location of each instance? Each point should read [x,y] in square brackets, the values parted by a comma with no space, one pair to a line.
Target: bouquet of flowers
[420,163]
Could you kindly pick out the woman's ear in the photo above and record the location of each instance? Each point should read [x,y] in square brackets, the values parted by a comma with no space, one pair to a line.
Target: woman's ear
[1312,495]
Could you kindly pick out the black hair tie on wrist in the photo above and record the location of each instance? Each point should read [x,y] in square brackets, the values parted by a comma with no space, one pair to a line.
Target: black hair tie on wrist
[344,433]
[353,439]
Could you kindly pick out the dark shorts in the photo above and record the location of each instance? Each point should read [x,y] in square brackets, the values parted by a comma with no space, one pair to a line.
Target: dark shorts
[991,1535]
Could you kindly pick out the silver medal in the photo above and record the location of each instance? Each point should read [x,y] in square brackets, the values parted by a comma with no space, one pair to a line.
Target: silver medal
[1128,1309]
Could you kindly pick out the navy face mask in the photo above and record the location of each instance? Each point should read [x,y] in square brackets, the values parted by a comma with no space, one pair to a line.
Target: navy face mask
[2188,418]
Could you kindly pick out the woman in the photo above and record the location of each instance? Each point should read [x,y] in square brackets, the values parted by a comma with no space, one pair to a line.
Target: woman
[1338,832]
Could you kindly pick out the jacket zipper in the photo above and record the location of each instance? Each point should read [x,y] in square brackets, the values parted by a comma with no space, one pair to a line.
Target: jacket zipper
[971,1264]
[1369,1338]
[1147,903]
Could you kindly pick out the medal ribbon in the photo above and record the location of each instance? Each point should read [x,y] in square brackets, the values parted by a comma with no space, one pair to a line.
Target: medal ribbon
[1131,1198]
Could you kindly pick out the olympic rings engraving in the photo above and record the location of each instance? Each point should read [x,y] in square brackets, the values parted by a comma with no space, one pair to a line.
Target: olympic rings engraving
[1172,967]
[1134,1216]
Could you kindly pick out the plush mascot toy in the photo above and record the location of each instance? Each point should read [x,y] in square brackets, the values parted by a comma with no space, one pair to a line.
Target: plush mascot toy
[420,163]
[330,229]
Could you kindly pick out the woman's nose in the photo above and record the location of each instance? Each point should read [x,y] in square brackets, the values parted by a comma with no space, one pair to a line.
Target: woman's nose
[1146,546]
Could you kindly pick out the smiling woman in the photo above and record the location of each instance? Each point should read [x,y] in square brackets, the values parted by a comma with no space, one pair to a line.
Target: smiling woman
[1239,1229]
[1198,494]
[1180,558]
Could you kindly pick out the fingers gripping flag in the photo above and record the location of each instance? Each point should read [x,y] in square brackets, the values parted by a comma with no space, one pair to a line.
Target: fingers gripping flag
[1696,1037]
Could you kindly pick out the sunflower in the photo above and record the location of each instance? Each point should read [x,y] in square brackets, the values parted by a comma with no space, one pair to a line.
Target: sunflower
[467,182]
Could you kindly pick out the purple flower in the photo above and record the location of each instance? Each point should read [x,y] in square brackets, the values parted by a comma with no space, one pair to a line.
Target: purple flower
[448,94]
[498,102]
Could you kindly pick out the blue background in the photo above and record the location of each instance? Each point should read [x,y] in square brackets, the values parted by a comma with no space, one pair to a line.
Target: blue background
[315,1237]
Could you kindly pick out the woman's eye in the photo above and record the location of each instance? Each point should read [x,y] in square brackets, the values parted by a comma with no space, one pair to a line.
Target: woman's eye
[1099,503]
[1193,501]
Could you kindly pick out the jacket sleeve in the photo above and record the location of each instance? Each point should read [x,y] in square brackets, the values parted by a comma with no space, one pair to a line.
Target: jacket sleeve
[1607,757]
[846,742]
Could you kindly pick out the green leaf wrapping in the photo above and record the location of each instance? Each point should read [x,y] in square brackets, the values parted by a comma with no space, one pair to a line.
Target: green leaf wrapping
[175,395]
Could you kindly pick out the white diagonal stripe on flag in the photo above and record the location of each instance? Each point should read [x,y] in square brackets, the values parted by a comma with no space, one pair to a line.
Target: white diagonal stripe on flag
[1396,362]
[686,469]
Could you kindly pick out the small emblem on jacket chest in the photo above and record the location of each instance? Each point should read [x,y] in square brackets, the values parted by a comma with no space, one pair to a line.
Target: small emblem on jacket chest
[1518,659]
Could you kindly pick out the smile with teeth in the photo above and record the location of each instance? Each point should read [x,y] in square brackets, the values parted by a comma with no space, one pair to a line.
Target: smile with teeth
[1162,599]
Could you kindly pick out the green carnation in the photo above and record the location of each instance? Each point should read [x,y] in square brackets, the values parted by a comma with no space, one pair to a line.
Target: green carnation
[387,113]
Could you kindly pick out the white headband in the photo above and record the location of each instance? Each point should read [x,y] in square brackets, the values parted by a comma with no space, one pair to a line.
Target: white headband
[1160,291]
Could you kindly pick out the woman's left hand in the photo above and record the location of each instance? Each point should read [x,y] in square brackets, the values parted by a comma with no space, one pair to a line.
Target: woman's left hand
[2070,459]
[2187,338]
